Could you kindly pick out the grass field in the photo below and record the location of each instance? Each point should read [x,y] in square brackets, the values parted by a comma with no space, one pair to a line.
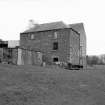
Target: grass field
[28,85]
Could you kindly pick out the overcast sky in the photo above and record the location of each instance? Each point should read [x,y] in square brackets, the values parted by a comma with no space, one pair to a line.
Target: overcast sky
[15,15]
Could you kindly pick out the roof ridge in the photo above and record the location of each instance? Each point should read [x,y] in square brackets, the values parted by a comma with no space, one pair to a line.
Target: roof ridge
[53,22]
[48,26]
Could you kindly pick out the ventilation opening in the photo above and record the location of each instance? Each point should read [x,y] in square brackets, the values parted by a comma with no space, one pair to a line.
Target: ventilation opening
[55,59]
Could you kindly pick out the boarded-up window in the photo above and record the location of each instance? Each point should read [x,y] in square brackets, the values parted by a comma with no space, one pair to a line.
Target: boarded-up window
[29,57]
[55,35]
[39,57]
[32,36]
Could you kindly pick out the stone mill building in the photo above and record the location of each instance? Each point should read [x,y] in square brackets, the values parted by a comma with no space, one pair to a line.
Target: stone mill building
[53,42]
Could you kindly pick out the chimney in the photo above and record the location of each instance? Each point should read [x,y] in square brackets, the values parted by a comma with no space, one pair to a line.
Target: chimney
[31,23]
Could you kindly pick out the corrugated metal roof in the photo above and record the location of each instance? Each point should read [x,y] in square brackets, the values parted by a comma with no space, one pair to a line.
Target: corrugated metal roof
[47,26]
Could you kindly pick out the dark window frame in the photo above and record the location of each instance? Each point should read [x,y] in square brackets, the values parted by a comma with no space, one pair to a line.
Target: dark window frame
[55,45]
[55,59]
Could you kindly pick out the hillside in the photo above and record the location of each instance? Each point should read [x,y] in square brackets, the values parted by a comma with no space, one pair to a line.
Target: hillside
[44,86]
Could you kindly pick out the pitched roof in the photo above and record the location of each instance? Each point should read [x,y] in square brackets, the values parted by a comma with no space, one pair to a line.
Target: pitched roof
[47,26]
[79,27]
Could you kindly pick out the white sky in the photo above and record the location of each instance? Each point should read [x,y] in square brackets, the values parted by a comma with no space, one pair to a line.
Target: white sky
[15,15]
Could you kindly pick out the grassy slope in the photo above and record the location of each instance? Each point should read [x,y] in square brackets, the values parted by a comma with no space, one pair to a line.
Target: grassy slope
[42,86]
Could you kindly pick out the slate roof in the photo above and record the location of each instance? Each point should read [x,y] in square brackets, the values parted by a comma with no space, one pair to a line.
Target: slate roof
[47,26]
[79,27]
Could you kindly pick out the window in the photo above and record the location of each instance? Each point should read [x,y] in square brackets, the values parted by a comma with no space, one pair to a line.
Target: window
[55,45]
[55,35]
[32,36]
[55,59]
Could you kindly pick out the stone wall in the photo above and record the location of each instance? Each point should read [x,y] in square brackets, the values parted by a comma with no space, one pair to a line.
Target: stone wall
[43,42]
